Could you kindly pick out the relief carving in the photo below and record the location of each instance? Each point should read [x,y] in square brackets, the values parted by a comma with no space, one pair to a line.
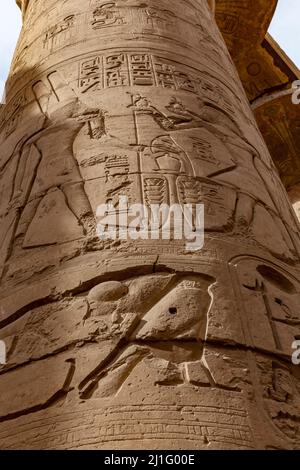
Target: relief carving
[106,14]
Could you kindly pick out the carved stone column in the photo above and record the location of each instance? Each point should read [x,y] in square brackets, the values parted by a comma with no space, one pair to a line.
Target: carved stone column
[140,344]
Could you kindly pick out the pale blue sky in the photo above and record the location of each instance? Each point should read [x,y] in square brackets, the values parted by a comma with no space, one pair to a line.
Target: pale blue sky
[285,29]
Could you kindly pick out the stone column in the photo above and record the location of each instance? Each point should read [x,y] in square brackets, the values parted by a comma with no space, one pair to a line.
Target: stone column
[140,343]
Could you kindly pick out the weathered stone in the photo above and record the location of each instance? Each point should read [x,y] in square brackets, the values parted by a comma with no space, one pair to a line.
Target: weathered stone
[37,386]
[59,222]
[119,344]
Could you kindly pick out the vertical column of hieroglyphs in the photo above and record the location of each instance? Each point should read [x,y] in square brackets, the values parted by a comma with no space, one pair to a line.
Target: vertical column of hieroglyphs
[127,344]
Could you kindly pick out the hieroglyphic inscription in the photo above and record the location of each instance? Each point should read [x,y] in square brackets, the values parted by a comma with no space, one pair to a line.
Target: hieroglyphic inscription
[120,69]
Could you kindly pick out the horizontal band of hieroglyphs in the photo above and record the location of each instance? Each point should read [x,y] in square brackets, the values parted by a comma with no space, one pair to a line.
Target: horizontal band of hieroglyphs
[121,69]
